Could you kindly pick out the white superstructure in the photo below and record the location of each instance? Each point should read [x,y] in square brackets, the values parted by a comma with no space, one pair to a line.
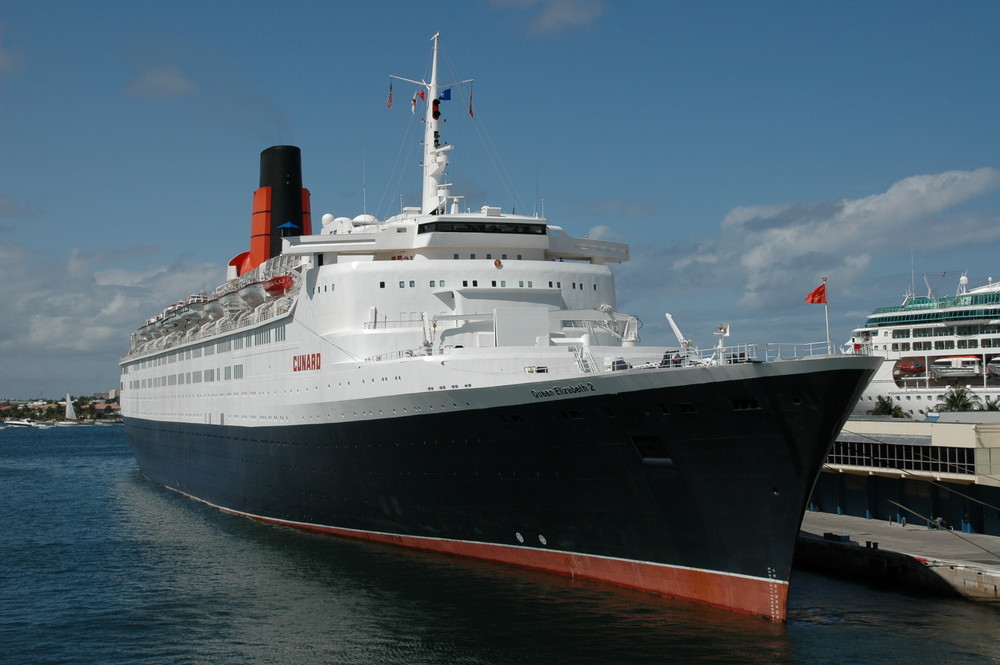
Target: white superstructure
[431,299]
[931,344]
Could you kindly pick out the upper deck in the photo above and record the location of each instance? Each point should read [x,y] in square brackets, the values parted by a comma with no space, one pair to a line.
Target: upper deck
[453,236]
[979,303]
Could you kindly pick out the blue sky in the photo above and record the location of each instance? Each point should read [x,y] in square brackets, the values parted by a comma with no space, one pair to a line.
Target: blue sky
[744,149]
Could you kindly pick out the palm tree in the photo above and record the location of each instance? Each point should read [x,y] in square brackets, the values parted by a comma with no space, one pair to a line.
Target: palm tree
[958,398]
[884,406]
[990,404]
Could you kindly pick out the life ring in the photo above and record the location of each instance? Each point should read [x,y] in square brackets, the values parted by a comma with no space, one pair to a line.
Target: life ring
[497,264]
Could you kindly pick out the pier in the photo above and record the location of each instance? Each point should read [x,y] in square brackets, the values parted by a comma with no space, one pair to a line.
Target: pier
[911,505]
[905,557]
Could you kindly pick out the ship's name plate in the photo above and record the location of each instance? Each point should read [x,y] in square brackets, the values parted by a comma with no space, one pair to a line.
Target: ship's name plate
[307,361]
[556,391]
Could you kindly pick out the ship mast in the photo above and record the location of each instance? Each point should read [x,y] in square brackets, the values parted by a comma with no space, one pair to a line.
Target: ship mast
[435,191]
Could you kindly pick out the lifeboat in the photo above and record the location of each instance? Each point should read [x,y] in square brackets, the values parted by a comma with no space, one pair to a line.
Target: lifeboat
[278,285]
[201,307]
[253,294]
[213,309]
[957,366]
[910,366]
[231,301]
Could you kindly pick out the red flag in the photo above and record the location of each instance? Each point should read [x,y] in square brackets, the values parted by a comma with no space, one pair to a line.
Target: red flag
[413,102]
[818,295]
[471,114]
[388,102]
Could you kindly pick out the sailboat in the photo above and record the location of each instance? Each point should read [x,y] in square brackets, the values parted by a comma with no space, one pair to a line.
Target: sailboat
[70,417]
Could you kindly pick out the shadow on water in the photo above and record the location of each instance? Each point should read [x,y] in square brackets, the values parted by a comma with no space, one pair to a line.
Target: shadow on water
[259,592]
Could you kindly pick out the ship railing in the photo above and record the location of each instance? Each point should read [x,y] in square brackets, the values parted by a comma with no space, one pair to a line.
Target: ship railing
[681,357]
[584,360]
[791,350]
[393,323]
[858,348]
[398,355]
[225,324]
[279,265]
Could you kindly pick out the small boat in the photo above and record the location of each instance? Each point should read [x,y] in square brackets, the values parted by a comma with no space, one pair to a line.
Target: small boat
[910,366]
[957,366]
[253,294]
[993,366]
[212,309]
[70,418]
[20,422]
[230,301]
[278,285]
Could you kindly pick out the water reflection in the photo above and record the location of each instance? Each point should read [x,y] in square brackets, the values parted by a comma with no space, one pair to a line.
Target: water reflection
[259,591]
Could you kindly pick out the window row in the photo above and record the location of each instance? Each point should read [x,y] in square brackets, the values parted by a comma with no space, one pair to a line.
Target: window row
[878,454]
[228,373]
[493,283]
[479,227]
[947,345]
[248,340]
[945,331]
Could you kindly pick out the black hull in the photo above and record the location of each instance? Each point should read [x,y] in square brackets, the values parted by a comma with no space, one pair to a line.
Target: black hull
[705,476]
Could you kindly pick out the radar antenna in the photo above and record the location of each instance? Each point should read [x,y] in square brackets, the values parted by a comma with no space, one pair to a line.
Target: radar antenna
[436,191]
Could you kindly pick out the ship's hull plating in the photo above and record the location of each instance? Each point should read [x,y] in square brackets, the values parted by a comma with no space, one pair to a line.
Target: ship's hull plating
[694,491]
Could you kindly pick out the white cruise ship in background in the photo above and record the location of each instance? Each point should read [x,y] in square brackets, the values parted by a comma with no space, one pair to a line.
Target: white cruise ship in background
[462,381]
[930,344]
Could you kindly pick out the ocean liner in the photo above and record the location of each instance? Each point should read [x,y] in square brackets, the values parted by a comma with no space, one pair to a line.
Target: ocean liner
[930,344]
[462,381]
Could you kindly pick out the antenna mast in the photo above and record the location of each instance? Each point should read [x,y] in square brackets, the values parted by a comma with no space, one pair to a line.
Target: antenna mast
[436,192]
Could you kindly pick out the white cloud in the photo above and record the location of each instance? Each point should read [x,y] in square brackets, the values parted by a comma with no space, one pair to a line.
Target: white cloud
[555,16]
[758,268]
[62,322]
[769,249]
[161,83]
[602,232]
[559,15]
[225,93]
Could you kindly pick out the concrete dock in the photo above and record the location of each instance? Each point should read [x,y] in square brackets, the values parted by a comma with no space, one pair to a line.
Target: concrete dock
[911,557]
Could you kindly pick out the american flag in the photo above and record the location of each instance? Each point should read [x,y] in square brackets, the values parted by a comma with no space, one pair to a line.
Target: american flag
[388,102]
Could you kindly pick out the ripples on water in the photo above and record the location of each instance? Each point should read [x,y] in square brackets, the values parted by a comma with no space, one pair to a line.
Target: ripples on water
[98,565]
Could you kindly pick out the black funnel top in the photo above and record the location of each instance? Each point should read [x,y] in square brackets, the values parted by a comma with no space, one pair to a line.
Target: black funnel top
[281,170]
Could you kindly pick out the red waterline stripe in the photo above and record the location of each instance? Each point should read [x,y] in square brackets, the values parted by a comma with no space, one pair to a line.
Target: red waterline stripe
[738,593]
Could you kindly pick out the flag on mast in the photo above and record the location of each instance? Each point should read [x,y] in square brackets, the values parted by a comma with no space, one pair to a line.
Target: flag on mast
[818,295]
[413,102]
[388,101]
[471,114]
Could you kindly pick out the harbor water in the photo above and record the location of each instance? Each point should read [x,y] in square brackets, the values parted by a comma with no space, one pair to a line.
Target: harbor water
[99,565]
